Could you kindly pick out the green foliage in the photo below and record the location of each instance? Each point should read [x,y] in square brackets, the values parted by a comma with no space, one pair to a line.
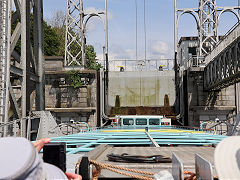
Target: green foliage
[74,78]
[91,58]
[54,45]
[51,39]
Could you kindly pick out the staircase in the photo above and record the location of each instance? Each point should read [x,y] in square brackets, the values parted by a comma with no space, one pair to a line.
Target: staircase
[47,126]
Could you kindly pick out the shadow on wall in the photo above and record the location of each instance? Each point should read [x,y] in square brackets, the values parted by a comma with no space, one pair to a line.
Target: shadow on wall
[117,101]
[166,101]
[212,98]
[65,96]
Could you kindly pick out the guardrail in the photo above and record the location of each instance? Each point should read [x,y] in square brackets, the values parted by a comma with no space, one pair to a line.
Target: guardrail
[139,65]
[15,128]
[196,61]
[225,35]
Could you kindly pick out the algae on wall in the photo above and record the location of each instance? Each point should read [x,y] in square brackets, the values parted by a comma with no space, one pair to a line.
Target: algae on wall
[141,88]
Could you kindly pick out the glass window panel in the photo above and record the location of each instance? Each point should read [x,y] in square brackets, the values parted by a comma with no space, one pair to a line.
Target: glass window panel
[128,121]
[154,121]
[141,121]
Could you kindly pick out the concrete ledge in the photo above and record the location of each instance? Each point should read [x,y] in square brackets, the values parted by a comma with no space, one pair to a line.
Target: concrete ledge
[214,108]
[72,109]
[64,72]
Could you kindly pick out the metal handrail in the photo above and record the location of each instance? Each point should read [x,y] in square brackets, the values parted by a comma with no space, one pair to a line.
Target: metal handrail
[225,35]
[134,64]
[195,61]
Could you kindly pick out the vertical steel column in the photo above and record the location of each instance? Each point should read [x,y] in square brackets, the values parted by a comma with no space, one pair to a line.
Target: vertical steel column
[106,57]
[5,35]
[23,68]
[82,34]
[175,26]
[237,97]
[24,63]
[38,53]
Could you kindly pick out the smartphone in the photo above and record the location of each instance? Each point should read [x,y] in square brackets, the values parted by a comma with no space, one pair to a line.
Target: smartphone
[55,154]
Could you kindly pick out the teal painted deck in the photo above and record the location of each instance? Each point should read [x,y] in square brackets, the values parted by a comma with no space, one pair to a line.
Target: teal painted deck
[87,141]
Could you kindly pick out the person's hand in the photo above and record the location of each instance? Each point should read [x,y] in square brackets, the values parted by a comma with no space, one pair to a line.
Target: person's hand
[73,176]
[40,143]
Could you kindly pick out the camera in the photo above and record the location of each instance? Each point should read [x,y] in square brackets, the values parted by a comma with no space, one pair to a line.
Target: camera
[55,154]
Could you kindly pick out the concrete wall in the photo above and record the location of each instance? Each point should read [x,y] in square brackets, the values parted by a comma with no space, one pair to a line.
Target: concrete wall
[183,52]
[205,105]
[140,88]
[194,104]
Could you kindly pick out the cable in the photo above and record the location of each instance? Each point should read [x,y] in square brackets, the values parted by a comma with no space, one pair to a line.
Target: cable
[136,30]
[145,33]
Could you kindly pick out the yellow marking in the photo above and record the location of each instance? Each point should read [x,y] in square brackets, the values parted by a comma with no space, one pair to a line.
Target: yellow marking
[154,130]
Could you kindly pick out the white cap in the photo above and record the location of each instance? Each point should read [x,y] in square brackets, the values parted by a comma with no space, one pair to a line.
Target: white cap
[227,158]
[20,160]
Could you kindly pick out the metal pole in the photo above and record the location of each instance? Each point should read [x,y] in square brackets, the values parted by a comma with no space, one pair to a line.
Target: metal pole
[82,34]
[28,127]
[15,128]
[38,46]
[145,33]
[106,29]
[106,56]
[24,64]
[104,64]
[136,30]
[175,26]
[7,64]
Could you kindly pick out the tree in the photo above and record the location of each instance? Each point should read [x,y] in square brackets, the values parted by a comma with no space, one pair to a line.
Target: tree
[57,22]
[51,40]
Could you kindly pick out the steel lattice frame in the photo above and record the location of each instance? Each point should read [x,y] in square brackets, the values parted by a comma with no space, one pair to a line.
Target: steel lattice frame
[76,21]
[73,45]
[207,16]
[207,26]
[223,64]
[24,66]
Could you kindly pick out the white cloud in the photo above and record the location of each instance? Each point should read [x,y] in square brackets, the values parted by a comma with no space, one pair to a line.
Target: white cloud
[159,48]
[91,25]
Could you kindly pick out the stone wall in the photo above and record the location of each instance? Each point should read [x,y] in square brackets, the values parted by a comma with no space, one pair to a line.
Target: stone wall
[68,103]
[205,105]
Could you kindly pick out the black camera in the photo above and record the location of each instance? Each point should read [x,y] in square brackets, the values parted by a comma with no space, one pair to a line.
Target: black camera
[55,154]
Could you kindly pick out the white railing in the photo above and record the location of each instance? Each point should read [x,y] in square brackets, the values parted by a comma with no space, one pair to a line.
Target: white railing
[139,65]
[196,61]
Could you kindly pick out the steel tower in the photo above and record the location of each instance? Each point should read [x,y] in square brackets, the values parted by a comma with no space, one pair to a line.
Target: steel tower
[21,60]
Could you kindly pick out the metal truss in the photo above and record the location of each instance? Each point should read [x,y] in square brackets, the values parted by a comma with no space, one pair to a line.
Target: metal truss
[22,75]
[76,20]
[207,16]
[224,69]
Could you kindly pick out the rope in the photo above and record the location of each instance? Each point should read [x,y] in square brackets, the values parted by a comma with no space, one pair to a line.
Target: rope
[121,168]
[114,168]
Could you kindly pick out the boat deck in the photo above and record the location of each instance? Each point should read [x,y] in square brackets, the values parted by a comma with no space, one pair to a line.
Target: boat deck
[186,154]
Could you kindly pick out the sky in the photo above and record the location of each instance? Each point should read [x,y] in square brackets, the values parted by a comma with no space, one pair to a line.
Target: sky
[122,26]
